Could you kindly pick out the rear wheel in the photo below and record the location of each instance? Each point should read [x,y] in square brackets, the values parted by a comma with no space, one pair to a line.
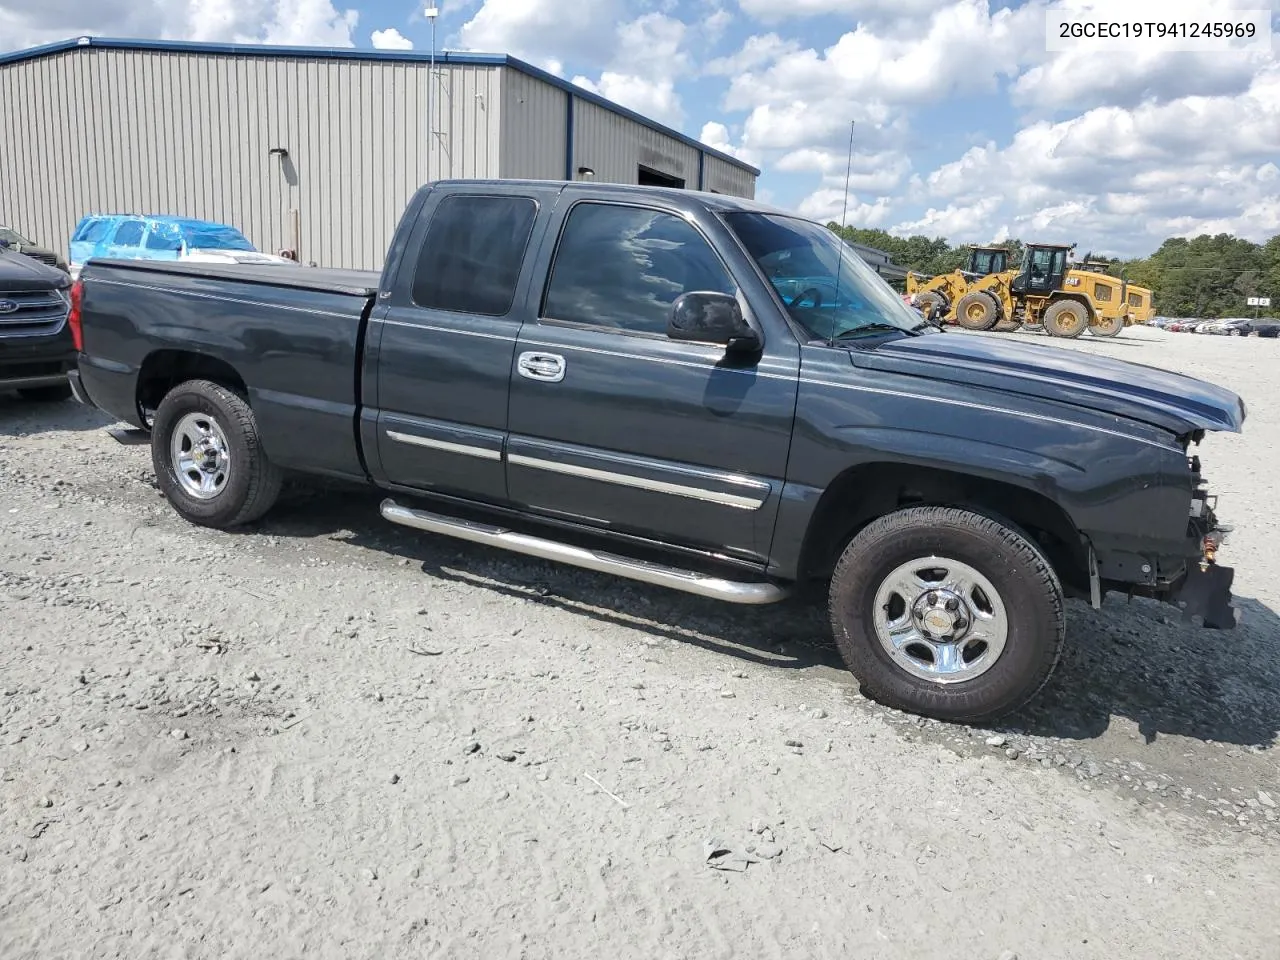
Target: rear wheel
[1066,318]
[947,613]
[1107,327]
[51,394]
[208,456]
[977,311]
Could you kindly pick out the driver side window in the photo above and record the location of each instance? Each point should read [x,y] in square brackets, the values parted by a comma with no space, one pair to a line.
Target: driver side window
[622,267]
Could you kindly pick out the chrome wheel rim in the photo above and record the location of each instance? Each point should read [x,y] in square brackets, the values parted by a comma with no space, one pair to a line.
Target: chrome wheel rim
[941,620]
[200,455]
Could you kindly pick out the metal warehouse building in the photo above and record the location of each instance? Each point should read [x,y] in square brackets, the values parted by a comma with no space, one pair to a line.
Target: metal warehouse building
[314,150]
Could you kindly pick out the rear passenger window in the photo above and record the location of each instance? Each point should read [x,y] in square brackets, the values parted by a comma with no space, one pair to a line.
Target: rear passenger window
[470,259]
[164,236]
[623,267]
[128,234]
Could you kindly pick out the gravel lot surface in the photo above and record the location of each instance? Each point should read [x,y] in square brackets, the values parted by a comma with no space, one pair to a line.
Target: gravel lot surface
[329,737]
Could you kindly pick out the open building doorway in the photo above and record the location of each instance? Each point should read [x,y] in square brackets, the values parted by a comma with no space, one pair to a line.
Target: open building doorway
[648,177]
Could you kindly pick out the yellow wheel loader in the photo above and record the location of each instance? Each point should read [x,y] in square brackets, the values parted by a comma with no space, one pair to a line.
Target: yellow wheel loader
[1046,292]
[935,296]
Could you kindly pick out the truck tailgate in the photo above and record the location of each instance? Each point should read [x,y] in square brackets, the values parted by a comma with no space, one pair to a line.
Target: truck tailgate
[292,334]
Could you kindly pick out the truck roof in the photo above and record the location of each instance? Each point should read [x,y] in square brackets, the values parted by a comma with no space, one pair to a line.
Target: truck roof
[686,199]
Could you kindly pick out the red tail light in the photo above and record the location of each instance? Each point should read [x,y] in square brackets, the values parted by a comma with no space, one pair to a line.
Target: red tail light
[73,318]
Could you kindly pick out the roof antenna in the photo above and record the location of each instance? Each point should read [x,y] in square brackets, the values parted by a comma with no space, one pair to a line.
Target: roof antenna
[844,213]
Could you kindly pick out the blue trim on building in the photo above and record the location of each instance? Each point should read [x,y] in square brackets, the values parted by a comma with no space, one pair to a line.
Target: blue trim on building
[350,53]
[702,169]
[568,138]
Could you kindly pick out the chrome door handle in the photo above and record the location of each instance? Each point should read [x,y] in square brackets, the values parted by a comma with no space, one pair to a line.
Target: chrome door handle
[548,367]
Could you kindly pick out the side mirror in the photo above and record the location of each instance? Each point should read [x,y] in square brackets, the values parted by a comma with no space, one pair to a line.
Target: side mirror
[710,317]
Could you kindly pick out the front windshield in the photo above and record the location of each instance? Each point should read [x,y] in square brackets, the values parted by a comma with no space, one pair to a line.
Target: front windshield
[826,287]
[11,236]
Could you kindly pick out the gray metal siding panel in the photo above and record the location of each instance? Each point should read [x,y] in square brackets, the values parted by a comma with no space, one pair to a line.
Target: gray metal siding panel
[727,179]
[615,148]
[534,122]
[124,131]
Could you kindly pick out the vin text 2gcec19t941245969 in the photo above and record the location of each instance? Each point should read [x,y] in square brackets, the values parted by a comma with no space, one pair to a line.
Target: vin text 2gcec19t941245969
[690,390]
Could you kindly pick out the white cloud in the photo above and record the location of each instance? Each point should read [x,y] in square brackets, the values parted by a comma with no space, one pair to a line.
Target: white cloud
[963,221]
[871,172]
[26,23]
[717,136]
[390,39]
[656,99]
[542,30]
[1122,179]
[829,204]
[773,11]
[649,56]
[756,51]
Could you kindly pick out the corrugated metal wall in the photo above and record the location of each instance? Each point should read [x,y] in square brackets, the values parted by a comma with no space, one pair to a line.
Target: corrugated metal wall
[726,178]
[120,131]
[534,121]
[615,147]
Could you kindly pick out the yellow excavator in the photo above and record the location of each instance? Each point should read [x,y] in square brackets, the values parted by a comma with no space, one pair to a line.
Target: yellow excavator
[1045,292]
[934,296]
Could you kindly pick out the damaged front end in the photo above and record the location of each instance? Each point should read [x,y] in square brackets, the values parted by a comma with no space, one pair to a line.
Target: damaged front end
[1201,589]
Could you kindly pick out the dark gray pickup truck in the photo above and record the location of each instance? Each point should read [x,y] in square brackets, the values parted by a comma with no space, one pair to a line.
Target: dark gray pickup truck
[689,390]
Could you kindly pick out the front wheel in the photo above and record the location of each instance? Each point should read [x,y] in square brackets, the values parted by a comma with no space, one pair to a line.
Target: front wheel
[208,456]
[947,613]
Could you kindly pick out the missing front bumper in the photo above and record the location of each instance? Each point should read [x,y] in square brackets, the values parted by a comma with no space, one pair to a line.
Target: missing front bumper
[1205,593]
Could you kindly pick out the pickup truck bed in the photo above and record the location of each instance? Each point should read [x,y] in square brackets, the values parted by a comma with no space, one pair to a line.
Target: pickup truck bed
[690,390]
[288,329]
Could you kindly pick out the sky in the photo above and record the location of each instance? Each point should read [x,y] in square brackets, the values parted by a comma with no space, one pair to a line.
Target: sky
[963,124]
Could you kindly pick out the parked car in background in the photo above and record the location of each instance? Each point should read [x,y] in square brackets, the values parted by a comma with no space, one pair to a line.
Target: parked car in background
[36,347]
[12,240]
[1230,327]
[163,238]
[1262,327]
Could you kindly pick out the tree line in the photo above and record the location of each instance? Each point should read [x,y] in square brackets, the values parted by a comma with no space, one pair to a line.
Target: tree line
[1206,276]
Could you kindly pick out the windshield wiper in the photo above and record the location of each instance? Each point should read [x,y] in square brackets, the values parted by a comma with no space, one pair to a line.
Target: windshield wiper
[870,328]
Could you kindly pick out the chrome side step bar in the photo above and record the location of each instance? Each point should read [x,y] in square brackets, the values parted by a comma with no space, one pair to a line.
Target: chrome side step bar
[684,580]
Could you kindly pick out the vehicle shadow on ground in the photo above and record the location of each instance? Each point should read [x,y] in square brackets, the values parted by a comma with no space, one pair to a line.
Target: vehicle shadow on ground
[791,634]
[1139,660]
[19,417]
[1133,660]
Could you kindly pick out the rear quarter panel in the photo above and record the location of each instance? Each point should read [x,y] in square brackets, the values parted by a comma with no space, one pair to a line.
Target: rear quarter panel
[295,350]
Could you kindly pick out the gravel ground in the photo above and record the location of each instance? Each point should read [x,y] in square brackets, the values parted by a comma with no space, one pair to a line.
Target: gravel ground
[329,737]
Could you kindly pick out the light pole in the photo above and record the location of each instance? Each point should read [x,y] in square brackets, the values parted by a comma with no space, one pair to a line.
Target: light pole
[431,13]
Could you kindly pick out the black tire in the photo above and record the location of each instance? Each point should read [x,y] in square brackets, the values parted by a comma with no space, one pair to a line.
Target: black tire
[933,305]
[1107,327]
[1066,318]
[253,482]
[1022,577]
[977,311]
[52,394]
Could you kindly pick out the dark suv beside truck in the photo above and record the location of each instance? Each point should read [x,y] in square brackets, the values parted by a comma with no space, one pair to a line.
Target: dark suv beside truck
[689,390]
[36,349]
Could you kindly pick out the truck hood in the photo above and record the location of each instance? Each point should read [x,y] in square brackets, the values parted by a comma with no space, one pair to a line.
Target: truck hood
[19,272]
[1136,391]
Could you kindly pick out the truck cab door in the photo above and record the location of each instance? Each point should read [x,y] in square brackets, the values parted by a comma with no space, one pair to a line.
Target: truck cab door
[616,426]
[441,342]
